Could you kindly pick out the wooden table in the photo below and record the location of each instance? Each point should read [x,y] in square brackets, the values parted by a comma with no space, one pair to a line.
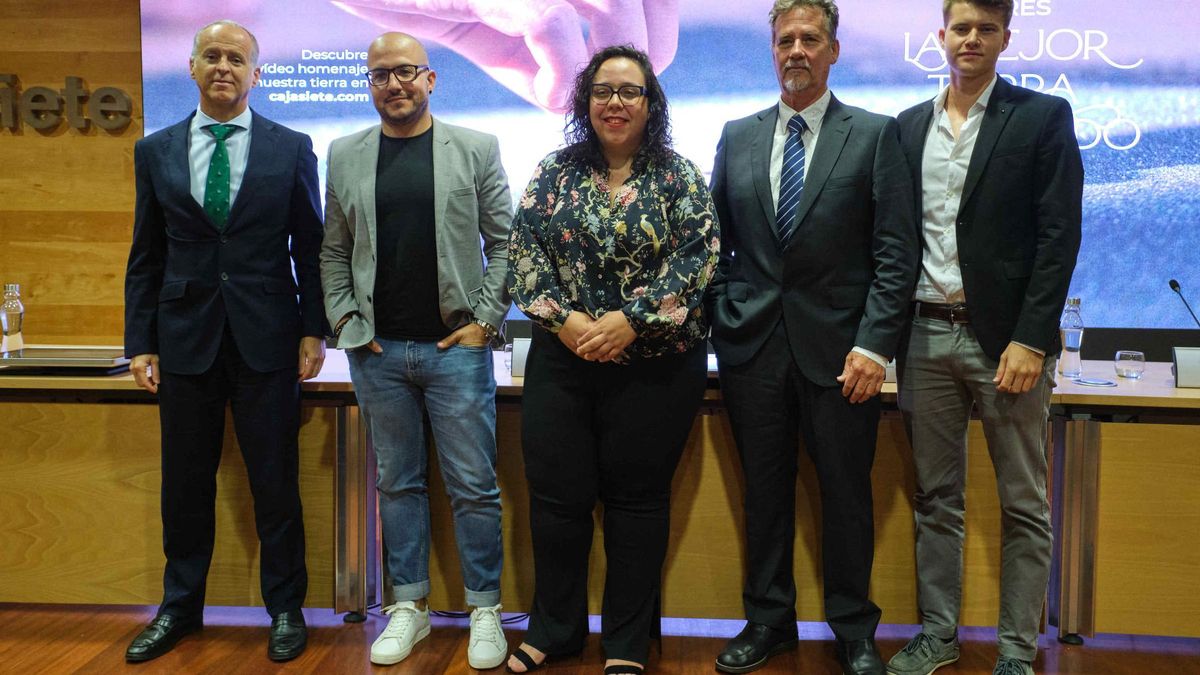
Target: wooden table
[79,489]
[1126,505]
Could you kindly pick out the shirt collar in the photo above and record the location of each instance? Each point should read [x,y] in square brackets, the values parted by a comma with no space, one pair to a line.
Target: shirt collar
[242,121]
[939,101]
[812,115]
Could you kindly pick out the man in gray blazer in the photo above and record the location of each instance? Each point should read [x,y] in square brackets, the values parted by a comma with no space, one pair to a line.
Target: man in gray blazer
[415,308]
[819,253]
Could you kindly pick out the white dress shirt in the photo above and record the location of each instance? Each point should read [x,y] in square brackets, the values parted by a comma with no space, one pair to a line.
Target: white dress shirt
[200,151]
[943,174]
[813,115]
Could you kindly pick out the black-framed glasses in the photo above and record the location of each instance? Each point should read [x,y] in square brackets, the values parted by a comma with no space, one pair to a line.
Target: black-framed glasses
[628,93]
[407,72]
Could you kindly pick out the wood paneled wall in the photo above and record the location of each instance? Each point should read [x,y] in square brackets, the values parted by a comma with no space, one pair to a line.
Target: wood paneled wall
[66,196]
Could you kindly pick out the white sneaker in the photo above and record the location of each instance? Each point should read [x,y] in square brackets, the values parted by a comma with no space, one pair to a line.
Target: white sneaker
[487,647]
[407,626]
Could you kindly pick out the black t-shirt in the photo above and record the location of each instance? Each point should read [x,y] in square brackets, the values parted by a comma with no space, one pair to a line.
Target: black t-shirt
[406,284]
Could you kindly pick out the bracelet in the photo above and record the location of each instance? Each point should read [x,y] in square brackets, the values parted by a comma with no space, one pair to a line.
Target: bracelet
[488,328]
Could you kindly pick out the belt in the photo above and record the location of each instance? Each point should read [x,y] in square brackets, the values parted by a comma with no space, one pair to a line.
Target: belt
[948,313]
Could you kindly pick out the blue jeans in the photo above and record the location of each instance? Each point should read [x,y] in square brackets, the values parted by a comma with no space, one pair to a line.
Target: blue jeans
[457,388]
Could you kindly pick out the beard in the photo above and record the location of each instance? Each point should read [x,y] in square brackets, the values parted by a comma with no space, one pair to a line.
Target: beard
[406,115]
[797,81]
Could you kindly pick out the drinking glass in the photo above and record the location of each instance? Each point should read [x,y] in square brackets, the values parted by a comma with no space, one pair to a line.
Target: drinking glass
[1129,364]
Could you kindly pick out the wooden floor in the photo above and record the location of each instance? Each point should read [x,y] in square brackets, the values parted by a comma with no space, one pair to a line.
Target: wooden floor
[88,639]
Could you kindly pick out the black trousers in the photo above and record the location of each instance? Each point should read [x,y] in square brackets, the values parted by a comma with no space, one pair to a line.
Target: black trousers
[770,403]
[266,418]
[613,433]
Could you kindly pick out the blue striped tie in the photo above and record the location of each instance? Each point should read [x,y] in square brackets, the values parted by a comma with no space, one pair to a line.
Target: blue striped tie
[791,181]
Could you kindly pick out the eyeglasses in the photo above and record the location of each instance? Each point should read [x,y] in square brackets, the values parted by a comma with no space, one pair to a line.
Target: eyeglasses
[629,93]
[378,77]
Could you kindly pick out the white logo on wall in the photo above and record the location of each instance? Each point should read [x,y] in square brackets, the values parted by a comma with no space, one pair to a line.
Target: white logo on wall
[1095,123]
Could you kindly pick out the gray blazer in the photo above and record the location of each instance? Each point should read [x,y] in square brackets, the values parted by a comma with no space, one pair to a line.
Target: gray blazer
[470,200]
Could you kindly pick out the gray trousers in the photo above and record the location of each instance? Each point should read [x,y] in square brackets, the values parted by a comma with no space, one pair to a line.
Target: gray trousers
[942,376]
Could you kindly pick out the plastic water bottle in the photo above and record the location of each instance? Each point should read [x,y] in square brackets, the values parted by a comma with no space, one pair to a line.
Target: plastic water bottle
[1071,329]
[12,315]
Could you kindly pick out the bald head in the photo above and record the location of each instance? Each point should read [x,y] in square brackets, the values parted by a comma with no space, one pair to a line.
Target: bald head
[225,27]
[389,43]
[401,83]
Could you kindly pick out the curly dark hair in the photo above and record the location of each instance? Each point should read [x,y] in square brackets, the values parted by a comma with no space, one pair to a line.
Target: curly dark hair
[583,145]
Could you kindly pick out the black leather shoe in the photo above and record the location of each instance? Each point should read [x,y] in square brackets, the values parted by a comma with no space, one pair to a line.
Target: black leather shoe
[160,636]
[289,636]
[751,648]
[860,657]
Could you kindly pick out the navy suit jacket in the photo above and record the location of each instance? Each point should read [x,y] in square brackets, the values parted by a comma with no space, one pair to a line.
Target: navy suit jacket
[846,278]
[185,279]
[1020,216]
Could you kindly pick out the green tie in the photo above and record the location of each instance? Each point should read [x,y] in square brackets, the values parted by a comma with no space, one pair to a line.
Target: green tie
[216,191]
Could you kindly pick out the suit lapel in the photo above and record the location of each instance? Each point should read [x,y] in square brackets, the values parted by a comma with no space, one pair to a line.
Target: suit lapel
[996,115]
[178,165]
[442,164]
[263,140]
[916,136]
[835,128]
[760,160]
[367,161]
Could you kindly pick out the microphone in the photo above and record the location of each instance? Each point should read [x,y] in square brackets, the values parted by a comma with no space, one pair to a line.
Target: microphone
[1175,287]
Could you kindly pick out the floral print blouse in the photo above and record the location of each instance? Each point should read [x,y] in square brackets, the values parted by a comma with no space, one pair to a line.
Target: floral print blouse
[650,254]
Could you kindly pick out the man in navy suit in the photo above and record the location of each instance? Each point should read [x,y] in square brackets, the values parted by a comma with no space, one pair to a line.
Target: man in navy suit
[818,257]
[999,184]
[227,205]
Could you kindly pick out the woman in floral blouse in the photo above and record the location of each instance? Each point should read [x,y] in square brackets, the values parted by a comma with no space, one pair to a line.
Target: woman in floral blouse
[610,253]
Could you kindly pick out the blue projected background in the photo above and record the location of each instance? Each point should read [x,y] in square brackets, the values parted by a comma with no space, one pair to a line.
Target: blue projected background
[502,67]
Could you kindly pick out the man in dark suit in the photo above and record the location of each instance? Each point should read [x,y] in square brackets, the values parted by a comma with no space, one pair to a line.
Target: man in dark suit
[999,182]
[819,253]
[227,204]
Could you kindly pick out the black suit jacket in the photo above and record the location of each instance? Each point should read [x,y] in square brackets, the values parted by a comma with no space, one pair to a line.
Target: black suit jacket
[1019,219]
[185,278]
[847,276]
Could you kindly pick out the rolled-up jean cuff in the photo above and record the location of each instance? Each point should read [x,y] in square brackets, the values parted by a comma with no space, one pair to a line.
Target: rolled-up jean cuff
[410,592]
[483,598]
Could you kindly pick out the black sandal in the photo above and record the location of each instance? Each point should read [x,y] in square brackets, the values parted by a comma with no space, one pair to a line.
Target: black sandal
[526,660]
[624,669]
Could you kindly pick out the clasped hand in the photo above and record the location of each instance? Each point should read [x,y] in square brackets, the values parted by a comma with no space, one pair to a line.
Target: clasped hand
[601,340]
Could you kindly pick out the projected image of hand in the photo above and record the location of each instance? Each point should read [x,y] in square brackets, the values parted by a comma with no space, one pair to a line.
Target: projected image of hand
[533,47]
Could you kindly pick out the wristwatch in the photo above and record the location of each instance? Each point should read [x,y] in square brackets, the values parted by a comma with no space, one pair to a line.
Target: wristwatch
[488,329]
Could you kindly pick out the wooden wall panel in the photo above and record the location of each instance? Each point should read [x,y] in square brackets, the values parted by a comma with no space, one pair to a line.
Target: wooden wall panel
[1147,557]
[79,494]
[66,196]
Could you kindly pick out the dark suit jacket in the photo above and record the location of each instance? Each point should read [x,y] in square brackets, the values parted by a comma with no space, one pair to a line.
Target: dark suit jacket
[847,276]
[185,279]
[1019,219]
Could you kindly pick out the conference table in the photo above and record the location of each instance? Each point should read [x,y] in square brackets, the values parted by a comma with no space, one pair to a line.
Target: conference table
[79,496]
[1126,505]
